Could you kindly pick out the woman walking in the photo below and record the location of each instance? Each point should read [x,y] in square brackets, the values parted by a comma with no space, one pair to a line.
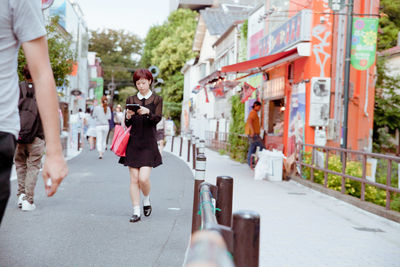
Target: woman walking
[102,114]
[142,152]
[91,131]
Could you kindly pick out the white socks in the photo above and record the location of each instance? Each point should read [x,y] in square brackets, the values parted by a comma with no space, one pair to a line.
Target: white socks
[136,210]
[146,200]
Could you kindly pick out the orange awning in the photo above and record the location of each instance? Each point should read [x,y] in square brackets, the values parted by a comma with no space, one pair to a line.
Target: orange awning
[255,65]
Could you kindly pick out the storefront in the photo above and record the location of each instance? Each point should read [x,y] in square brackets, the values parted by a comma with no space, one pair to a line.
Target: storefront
[301,62]
[277,71]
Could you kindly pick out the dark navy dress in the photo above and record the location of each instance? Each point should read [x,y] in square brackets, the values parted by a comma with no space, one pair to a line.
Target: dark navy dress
[142,149]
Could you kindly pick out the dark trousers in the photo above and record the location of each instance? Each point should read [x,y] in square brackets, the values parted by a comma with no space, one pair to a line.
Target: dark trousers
[254,142]
[7,149]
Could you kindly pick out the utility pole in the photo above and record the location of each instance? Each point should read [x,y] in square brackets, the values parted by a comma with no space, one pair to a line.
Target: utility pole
[347,72]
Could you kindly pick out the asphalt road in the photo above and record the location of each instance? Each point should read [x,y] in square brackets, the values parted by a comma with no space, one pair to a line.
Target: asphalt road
[87,222]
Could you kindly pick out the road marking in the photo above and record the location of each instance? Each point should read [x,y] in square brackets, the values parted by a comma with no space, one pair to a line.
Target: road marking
[174,208]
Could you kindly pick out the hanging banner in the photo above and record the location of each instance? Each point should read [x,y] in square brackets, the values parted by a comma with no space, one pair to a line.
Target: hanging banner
[247,91]
[363,42]
[206,94]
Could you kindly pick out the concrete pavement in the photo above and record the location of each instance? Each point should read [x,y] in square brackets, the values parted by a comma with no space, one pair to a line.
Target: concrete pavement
[87,222]
[302,227]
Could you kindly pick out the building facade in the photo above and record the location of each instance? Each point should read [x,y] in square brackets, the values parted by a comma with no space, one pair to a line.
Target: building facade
[73,26]
[297,51]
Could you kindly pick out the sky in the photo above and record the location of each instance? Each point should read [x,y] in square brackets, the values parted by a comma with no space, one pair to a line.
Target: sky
[135,16]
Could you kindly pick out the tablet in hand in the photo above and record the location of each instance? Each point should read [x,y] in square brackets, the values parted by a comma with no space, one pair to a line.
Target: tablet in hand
[133,107]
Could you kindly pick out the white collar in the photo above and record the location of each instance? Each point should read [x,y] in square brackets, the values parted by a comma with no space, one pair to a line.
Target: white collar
[140,96]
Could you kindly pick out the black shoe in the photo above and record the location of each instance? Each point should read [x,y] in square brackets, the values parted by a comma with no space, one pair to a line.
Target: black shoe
[147,210]
[134,218]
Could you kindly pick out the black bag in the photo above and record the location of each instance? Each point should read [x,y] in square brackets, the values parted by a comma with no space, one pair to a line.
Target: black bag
[28,114]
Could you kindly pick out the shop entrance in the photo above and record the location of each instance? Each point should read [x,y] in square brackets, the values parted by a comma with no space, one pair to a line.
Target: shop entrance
[275,124]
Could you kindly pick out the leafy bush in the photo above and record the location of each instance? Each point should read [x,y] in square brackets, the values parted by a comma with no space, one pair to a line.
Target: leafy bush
[238,144]
[353,188]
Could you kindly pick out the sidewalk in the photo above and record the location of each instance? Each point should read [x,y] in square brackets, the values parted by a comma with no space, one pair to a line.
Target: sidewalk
[302,227]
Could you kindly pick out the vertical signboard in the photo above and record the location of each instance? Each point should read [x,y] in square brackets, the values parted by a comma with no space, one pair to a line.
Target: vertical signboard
[363,42]
[297,116]
[98,90]
[254,33]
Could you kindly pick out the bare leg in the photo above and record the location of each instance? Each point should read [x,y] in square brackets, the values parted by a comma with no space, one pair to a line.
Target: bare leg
[144,180]
[91,142]
[134,188]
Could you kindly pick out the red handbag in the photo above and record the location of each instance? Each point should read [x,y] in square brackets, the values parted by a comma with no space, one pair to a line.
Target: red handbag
[120,140]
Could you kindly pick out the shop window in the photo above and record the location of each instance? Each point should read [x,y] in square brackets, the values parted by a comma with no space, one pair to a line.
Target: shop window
[276,117]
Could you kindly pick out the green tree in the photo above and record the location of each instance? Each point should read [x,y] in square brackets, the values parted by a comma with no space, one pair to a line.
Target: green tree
[387,107]
[168,47]
[60,54]
[119,52]
[389,24]
[153,38]
[387,99]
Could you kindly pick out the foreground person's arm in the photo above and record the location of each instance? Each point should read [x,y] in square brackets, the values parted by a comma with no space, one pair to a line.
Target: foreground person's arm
[55,167]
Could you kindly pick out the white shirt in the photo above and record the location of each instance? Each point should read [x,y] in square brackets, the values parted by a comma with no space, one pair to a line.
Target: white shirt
[140,96]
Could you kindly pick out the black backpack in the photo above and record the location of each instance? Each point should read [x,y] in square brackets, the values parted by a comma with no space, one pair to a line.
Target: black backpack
[28,114]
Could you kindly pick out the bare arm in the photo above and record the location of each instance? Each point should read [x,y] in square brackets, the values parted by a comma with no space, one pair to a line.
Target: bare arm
[55,167]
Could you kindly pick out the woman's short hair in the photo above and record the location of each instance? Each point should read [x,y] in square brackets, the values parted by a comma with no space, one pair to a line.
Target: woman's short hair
[142,74]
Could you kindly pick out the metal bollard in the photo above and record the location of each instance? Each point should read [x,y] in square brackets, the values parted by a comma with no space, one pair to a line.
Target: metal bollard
[172,144]
[198,179]
[246,238]
[197,145]
[188,152]
[207,248]
[201,147]
[180,149]
[194,155]
[224,200]
[208,219]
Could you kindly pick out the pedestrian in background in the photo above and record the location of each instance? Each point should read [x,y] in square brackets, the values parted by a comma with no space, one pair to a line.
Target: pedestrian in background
[21,21]
[142,152]
[252,130]
[91,131]
[30,147]
[102,114]
[161,134]
[82,130]
[111,125]
[119,115]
